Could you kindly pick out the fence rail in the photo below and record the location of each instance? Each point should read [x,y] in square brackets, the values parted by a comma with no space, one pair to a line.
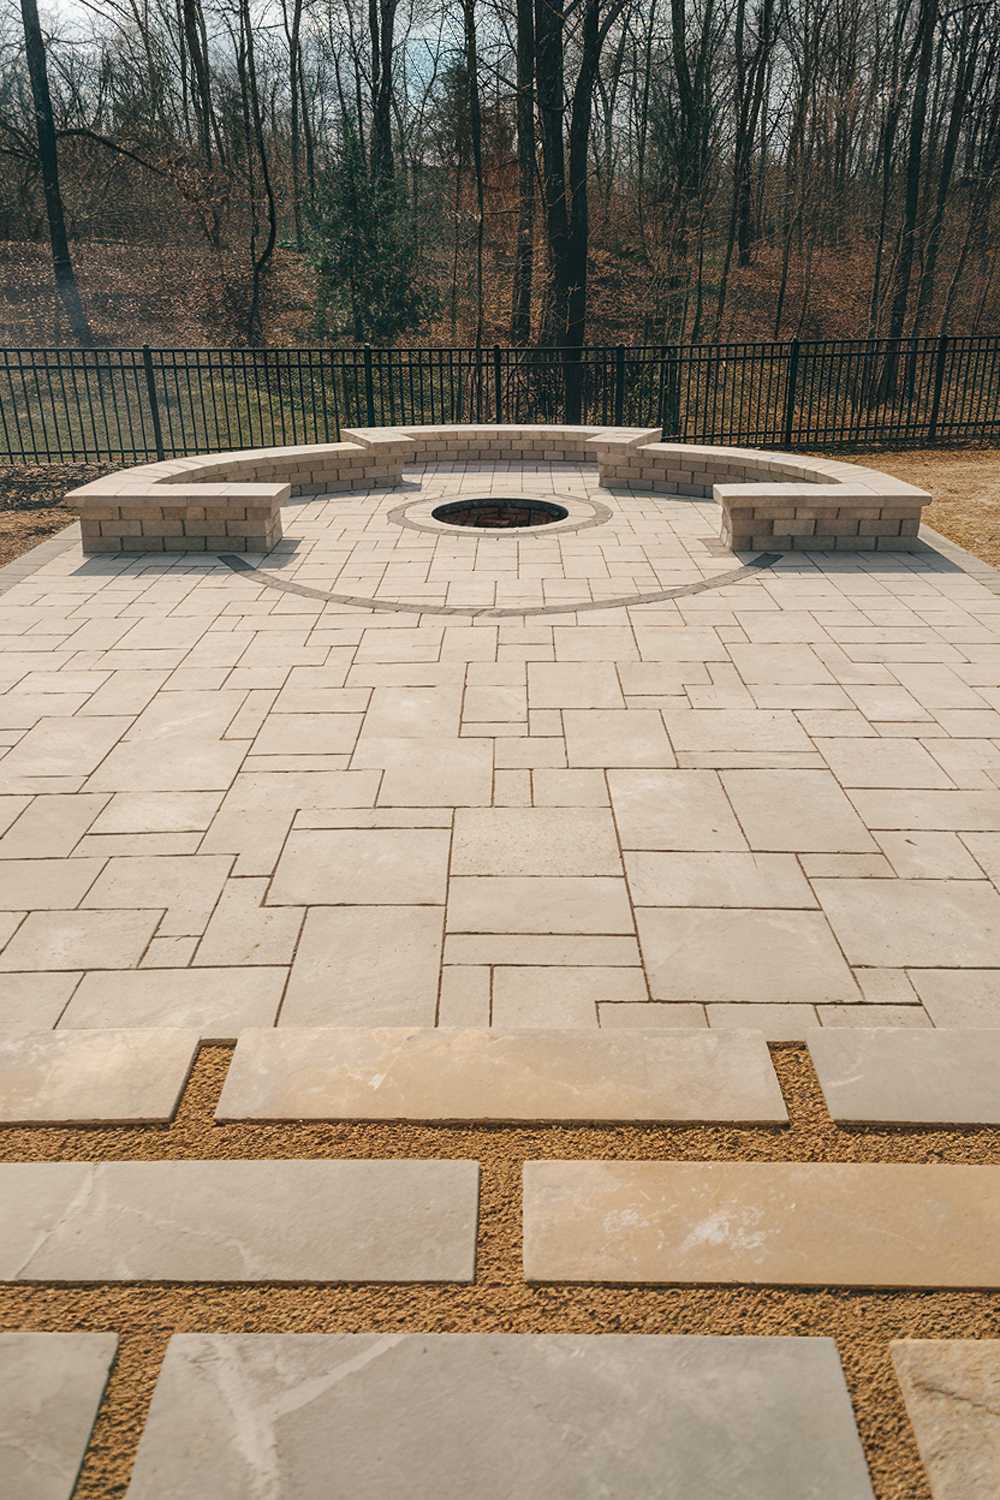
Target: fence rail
[129,405]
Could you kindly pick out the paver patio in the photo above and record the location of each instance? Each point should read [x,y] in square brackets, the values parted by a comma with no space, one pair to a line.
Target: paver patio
[241,804]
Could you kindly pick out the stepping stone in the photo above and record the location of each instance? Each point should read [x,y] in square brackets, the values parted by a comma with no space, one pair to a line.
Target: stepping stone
[762,1223]
[420,1074]
[564,1416]
[952,1392]
[94,1077]
[909,1077]
[51,1385]
[319,1221]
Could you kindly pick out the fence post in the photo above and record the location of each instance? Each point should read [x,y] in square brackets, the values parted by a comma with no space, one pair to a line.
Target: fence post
[790,386]
[620,385]
[942,350]
[369,386]
[154,405]
[497,397]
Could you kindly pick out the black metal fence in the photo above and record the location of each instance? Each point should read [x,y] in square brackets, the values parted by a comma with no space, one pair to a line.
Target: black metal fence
[133,404]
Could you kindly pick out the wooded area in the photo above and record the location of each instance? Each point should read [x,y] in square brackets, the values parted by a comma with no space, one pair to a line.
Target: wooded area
[526,171]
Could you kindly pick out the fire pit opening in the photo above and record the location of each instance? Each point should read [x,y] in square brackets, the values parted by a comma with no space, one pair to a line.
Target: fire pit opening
[497,514]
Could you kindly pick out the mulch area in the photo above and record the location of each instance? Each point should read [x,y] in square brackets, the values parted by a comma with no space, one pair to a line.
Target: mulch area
[32,502]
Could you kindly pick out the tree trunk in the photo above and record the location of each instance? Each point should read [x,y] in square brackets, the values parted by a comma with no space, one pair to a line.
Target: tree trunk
[524,252]
[48,157]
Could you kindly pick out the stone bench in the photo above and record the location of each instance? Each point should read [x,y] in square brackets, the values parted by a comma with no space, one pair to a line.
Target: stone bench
[231,502]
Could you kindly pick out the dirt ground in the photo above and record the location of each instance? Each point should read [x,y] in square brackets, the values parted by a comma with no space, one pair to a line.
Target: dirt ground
[965,483]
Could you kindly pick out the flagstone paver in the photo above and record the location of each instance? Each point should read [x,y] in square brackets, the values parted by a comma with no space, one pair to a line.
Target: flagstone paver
[909,1077]
[321,1221]
[568,1416]
[91,1077]
[51,1385]
[338,1073]
[952,1393]
[780,782]
[762,1223]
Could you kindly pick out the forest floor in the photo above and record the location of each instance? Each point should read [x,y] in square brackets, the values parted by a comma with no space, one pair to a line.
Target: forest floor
[965,483]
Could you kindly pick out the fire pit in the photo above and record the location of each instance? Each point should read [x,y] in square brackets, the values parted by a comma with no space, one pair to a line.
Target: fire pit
[498,514]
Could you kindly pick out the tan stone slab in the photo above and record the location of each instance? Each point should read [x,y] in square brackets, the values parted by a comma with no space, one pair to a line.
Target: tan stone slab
[914,923]
[535,948]
[608,643]
[554,788]
[766,880]
[262,792]
[239,1221]
[534,841]
[776,1023]
[93,1077]
[366,966]
[51,1385]
[34,1002]
[684,810]
[971,812]
[564,1416]
[868,1015]
[414,712]
[574,685]
[909,1077]
[217,1003]
[45,884]
[929,856]
[157,812]
[187,886]
[465,996]
[762,1223]
[650,1016]
[362,867]
[798,811]
[79,940]
[952,1392]
[307,734]
[244,931]
[713,956]
[616,737]
[61,747]
[547,996]
[179,765]
[735,729]
[677,643]
[881,763]
[539,904]
[959,997]
[429,773]
[342,1074]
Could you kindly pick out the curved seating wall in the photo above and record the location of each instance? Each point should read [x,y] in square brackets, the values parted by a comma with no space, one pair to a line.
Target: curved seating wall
[231,502]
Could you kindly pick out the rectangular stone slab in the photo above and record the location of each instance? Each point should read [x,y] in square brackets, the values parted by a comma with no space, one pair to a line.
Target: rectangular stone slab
[909,1077]
[952,1392]
[421,1074]
[762,1223]
[94,1077]
[320,1221]
[51,1385]
[394,1416]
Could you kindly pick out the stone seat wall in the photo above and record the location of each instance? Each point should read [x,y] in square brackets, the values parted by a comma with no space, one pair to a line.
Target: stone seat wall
[232,501]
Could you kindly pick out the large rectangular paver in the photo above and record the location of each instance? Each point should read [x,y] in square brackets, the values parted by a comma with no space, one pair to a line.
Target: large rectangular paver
[396,1416]
[80,940]
[729,955]
[366,966]
[93,1077]
[534,841]
[673,810]
[362,866]
[952,1392]
[218,1003]
[676,879]
[239,1221]
[51,1385]
[909,1077]
[918,923]
[616,737]
[797,811]
[542,904]
[762,1223]
[396,1074]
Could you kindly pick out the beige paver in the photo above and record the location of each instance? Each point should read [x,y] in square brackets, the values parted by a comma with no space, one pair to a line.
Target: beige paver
[547,996]
[959,997]
[51,1385]
[762,1223]
[439,773]
[915,923]
[93,1077]
[735,729]
[34,1002]
[735,955]
[578,685]
[560,1415]
[51,827]
[45,884]
[616,737]
[79,940]
[777,1023]
[218,1002]
[881,763]
[686,810]
[543,904]
[384,866]
[238,1221]
[768,880]
[534,841]
[499,1075]
[365,965]
[185,886]
[909,1077]
[799,811]
[952,1392]
[60,747]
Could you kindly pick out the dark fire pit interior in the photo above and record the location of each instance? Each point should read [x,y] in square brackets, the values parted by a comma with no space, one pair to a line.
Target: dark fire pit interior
[499,514]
